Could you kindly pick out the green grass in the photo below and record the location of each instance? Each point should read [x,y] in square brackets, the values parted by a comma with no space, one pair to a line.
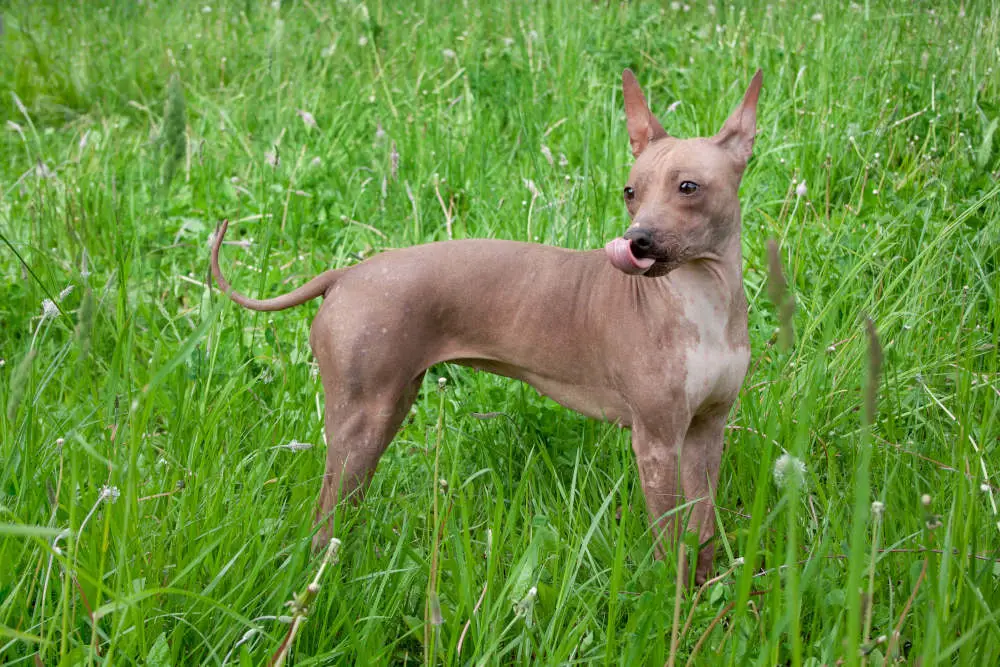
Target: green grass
[148,381]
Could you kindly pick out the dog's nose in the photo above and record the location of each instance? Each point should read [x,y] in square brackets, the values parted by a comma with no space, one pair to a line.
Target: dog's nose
[641,240]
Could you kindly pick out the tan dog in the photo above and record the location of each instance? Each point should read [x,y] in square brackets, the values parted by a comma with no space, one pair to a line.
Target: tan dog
[650,333]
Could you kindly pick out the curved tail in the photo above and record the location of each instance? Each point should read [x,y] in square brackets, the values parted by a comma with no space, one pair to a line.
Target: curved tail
[312,289]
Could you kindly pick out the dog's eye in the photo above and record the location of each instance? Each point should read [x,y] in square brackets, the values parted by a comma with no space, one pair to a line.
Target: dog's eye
[629,193]
[688,187]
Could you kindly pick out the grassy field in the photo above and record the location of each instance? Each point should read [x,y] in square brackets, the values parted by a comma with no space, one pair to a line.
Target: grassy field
[155,497]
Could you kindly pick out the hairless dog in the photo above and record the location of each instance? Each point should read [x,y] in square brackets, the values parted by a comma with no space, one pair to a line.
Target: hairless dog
[649,333]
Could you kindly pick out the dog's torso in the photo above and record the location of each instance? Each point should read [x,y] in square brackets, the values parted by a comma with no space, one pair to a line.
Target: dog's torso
[603,343]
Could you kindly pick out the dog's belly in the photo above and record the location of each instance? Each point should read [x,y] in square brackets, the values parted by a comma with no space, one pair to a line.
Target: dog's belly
[596,402]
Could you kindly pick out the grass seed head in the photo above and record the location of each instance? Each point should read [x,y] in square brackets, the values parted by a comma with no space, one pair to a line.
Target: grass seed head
[780,295]
[874,371]
[49,309]
[18,384]
[173,142]
[85,323]
[307,119]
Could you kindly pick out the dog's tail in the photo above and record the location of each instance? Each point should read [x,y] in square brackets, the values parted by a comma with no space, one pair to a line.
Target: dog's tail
[312,289]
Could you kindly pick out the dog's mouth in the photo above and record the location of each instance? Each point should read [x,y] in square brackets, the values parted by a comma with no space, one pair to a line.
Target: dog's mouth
[622,257]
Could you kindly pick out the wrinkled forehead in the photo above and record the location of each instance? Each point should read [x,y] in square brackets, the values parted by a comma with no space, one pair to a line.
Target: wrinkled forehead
[697,158]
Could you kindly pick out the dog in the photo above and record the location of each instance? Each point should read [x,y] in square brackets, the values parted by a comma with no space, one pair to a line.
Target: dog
[649,333]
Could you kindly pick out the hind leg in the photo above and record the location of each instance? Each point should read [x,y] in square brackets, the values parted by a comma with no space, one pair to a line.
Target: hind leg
[359,428]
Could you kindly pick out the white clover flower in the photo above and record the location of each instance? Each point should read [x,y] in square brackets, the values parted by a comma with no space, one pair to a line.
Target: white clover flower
[49,309]
[307,118]
[984,487]
[442,381]
[379,132]
[788,469]
[817,17]
[738,561]
[508,42]
[449,53]
[315,162]
[109,493]
[362,41]
[878,508]
[800,189]
[272,158]
[206,10]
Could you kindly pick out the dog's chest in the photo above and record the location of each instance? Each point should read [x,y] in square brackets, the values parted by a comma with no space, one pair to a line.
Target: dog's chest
[716,360]
[714,376]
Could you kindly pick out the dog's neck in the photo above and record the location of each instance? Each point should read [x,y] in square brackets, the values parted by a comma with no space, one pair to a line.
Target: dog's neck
[720,273]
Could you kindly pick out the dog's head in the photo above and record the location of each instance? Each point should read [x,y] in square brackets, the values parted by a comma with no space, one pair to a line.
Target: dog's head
[681,194]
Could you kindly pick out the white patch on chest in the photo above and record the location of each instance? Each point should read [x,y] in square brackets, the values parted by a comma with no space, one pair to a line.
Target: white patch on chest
[715,365]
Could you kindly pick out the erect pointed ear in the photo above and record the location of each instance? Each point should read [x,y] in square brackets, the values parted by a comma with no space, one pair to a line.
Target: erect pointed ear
[738,131]
[642,125]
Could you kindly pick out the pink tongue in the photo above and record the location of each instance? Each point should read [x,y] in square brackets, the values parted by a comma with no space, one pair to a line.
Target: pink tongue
[620,253]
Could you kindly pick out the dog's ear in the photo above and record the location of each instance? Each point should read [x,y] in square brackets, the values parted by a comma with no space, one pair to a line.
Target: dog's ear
[642,125]
[738,131]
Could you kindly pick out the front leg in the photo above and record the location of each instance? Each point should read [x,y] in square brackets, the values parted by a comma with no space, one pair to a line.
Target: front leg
[676,465]
[700,460]
[657,454]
